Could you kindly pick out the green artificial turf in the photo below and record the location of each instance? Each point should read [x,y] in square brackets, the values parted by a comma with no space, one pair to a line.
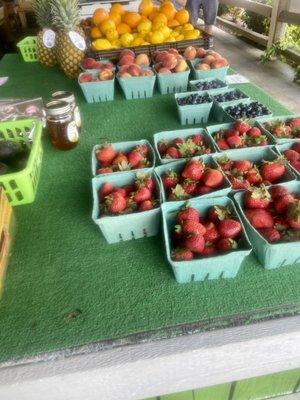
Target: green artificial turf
[65,286]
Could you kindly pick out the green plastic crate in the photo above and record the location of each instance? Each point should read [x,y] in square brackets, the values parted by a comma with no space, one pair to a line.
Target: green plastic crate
[173,83]
[193,114]
[215,267]
[217,73]
[270,255]
[178,166]
[211,91]
[20,187]
[98,91]
[280,148]
[130,226]
[124,147]
[137,87]
[184,133]
[28,48]
[280,118]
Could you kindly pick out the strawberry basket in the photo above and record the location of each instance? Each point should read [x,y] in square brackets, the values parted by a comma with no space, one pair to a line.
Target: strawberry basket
[97,91]
[193,113]
[174,82]
[193,85]
[137,87]
[178,166]
[28,48]
[182,133]
[281,148]
[270,255]
[284,118]
[217,73]
[224,265]
[20,187]
[124,147]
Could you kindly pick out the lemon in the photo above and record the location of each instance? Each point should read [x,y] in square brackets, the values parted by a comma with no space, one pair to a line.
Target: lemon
[157,25]
[157,37]
[126,39]
[144,27]
[116,44]
[175,34]
[190,35]
[165,31]
[137,41]
[171,39]
[101,44]
[112,35]
[145,44]
[180,37]
[178,29]
[187,27]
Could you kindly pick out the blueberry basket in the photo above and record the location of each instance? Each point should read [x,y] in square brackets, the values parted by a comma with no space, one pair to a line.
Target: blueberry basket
[226,114]
[217,110]
[173,83]
[215,267]
[128,226]
[279,118]
[183,133]
[178,166]
[137,87]
[193,85]
[217,73]
[97,91]
[193,113]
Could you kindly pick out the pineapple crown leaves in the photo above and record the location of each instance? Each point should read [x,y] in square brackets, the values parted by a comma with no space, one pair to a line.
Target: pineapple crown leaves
[66,15]
[43,13]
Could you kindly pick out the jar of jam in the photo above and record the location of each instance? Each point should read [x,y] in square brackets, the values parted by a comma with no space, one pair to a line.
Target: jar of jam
[63,131]
[69,97]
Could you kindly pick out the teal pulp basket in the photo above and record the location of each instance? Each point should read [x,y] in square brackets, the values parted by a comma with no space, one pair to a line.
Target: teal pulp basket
[124,147]
[173,83]
[193,114]
[217,111]
[178,166]
[214,129]
[220,266]
[270,255]
[125,227]
[280,148]
[193,84]
[137,87]
[280,118]
[98,91]
[217,73]
[183,133]
[28,48]
[227,116]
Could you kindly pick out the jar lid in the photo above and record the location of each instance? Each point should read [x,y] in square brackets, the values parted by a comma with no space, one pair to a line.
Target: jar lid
[63,95]
[57,107]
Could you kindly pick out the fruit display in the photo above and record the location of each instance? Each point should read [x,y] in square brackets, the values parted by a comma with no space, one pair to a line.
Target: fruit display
[248,110]
[205,60]
[102,75]
[196,177]
[230,95]
[13,156]
[91,63]
[207,84]
[123,156]
[169,61]
[131,66]
[240,134]
[151,25]
[193,107]
[288,129]
[194,99]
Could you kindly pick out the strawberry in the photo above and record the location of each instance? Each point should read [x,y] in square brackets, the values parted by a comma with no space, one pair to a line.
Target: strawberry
[201,189]
[225,163]
[105,155]
[211,235]
[281,203]
[229,228]
[253,176]
[239,183]
[241,126]
[222,144]
[105,190]
[182,254]
[296,147]
[212,178]
[134,158]
[190,227]
[178,141]
[115,203]
[187,213]
[172,152]
[144,180]
[197,139]
[259,218]
[296,165]
[119,159]
[195,243]
[170,179]
[146,205]
[279,131]
[291,155]
[257,198]
[141,148]
[235,142]
[226,244]
[272,171]
[280,223]
[295,122]
[189,186]
[121,191]
[106,170]
[278,191]
[231,132]
[162,147]
[193,170]
[254,132]
[270,234]
[209,250]
[293,214]
[242,165]
[142,194]
[218,213]
[129,189]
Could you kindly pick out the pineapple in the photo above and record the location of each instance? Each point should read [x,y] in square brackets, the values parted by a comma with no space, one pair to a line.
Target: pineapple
[46,36]
[70,43]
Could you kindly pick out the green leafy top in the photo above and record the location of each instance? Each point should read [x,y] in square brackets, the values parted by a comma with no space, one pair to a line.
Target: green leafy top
[43,14]
[66,15]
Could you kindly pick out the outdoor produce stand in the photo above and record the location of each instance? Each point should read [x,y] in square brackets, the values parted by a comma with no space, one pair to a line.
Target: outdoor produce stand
[93,315]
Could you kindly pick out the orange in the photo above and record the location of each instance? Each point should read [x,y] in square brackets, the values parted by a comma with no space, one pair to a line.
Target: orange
[153,13]
[182,16]
[115,17]
[117,8]
[131,18]
[107,25]
[160,19]
[146,7]
[99,15]
[95,33]
[173,23]
[123,28]
[168,9]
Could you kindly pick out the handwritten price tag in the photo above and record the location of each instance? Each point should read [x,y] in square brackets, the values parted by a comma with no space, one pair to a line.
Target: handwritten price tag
[236,78]
[3,79]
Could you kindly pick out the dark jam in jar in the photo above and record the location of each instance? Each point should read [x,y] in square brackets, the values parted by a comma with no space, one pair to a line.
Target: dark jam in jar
[63,131]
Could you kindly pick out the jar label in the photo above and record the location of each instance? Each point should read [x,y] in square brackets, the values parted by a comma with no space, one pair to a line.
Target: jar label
[72,132]
[77,40]
[49,38]
[77,117]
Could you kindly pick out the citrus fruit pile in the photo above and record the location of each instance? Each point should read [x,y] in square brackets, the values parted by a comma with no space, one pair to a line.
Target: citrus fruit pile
[150,25]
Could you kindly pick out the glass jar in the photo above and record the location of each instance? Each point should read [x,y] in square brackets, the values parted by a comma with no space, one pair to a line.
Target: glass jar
[69,97]
[63,131]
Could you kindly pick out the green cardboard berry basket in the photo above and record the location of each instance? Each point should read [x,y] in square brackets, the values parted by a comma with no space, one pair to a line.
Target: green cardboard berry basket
[129,226]
[183,133]
[194,113]
[173,83]
[279,118]
[137,87]
[216,73]
[227,116]
[255,155]
[217,111]
[280,148]
[20,187]
[214,129]
[225,265]
[178,166]
[193,84]
[98,91]
[124,147]
[28,48]
[274,255]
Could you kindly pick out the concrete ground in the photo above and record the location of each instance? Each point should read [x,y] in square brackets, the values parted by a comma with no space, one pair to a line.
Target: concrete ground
[275,77]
